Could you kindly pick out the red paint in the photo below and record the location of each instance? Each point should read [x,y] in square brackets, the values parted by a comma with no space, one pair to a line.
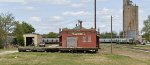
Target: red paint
[80,34]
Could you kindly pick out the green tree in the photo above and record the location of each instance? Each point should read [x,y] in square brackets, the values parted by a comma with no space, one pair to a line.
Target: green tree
[7,24]
[108,35]
[52,35]
[28,28]
[146,29]
[22,28]
[19,33]
[20,40]
[2,37]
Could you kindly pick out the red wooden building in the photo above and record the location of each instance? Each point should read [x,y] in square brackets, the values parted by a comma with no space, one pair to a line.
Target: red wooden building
[79,37]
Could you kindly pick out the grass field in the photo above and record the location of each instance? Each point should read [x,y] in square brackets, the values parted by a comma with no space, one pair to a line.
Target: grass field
[122,55]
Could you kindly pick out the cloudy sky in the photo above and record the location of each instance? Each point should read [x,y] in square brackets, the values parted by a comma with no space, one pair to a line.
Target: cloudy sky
[50,15]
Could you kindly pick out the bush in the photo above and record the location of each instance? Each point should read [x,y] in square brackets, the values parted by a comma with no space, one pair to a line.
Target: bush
[1,44]
[20,40]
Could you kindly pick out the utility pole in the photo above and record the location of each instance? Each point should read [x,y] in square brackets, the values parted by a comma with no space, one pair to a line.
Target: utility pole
[111,36]
[95,14]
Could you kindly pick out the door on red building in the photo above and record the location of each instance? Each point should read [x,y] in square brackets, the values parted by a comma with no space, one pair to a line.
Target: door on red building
[72,41]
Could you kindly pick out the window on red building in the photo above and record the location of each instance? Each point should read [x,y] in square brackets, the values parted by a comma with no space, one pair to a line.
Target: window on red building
[89,38]
[86,39]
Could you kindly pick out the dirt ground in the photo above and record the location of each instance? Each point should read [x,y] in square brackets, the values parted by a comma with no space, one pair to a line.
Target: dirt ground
[8,52]
[128,50]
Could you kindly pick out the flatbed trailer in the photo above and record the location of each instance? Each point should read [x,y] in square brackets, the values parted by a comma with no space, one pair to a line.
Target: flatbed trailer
[56,49]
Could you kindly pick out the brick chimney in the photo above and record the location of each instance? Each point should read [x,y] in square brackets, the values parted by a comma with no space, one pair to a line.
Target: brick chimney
[80,22]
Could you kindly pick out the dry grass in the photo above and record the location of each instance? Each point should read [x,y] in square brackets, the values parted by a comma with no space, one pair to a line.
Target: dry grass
[122,55]
[8,49]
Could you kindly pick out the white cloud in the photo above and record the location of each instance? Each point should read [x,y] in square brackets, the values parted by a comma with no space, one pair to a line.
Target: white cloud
[145,0]
[78,13]
[87,1]
[105,14]
[105,11]
[29,8]
[54,2]
[56,19]
[103,0]
[58,2]
[13,1]
[35,19]
[69,3]
[77,5]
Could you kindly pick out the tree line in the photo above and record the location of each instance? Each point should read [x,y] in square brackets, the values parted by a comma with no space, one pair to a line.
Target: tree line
[10,27]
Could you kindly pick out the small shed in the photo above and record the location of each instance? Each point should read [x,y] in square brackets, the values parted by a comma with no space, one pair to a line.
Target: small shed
[79,37]
[32,39]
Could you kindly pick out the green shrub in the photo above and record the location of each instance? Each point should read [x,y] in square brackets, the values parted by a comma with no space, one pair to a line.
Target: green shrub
[20,40]
[1,44]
